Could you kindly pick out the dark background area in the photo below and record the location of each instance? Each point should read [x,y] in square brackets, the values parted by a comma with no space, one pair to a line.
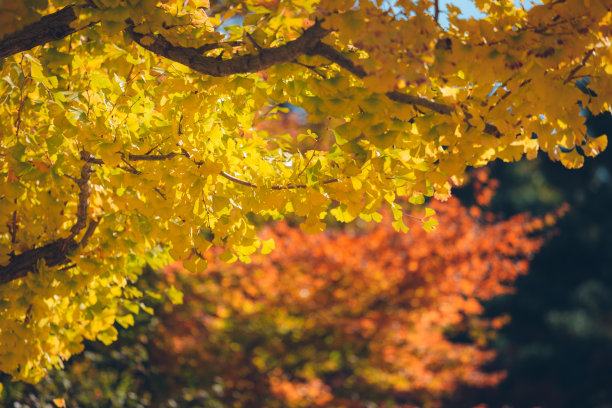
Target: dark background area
[557,348]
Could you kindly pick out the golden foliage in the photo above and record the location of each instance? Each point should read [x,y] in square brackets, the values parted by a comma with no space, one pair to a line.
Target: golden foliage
[130,127]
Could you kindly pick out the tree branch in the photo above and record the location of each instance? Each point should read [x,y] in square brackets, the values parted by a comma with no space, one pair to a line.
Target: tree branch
[57,25]
[54,254]
[161,157]
[84,193]
[91,228]
[335,56]
[152,157]
[420,101]
[242,64]
[329,52]
[577,67]
[52,27]
[57,252]
[436,10]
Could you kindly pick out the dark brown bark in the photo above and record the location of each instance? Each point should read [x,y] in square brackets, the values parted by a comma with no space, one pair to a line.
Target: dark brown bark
[54,254]
[57,252]
[49,28]
[242,64]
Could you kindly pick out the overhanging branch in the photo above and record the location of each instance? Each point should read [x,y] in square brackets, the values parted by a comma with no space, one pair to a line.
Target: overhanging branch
[242,64]
[329,52]
[57,26]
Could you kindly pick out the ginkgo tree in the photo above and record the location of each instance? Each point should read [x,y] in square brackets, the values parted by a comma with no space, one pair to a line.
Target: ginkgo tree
[129,132]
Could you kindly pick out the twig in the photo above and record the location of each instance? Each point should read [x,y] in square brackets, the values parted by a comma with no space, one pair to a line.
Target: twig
[131,168]
[127,82]
[152,157]
[310,67]
[158,191]
[67,268]
[214,46]
[21,98]
[253,41]
[236,180]
[436,10]
[582,64]
[309,160]
[207,212]
[13,228]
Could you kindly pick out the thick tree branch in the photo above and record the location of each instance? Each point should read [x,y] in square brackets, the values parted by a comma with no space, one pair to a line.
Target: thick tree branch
[91,228]
[307,44]
[49,28]
[54,254]
[242,64]
[57,252]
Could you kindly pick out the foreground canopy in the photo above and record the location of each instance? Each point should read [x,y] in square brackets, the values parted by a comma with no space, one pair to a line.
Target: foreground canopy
[133,128]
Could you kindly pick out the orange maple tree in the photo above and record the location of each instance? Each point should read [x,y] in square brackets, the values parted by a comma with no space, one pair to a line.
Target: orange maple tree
[350,317]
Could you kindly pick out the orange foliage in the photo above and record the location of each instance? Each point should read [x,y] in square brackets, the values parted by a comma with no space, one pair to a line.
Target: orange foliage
[342,318]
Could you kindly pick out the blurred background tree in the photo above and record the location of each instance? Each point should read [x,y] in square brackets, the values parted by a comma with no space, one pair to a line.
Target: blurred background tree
[352,318]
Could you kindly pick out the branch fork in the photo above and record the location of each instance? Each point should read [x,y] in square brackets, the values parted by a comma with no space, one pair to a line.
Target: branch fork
[58,252]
